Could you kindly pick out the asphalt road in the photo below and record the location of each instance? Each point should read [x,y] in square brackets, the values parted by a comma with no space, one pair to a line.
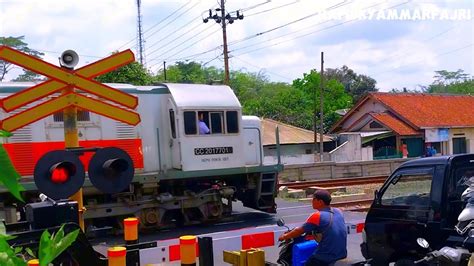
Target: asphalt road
[245,221]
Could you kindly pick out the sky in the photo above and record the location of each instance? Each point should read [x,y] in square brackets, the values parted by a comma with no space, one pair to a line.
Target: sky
[399,43]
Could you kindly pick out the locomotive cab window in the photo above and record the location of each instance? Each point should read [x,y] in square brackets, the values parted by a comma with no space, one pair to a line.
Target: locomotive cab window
[190,123]
[210,122]
[172,124]
[216,122]
[232,122]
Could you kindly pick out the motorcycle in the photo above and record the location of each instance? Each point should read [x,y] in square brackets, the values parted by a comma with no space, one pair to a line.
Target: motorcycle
[458,255]
[297,250]
[448,256]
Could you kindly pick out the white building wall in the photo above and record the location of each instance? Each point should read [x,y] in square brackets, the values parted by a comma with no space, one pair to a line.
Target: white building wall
[456,133]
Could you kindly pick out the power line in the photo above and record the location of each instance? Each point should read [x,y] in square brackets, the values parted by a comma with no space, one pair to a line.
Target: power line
[167,58]
[53,52]
[422,60]
[132,40]
[405,52]
[172,41]
[189,46]
[310,33]
[255,6]
[260,68]
[293,32]
[273,8]
[341,4]
[182,43]
[169,22]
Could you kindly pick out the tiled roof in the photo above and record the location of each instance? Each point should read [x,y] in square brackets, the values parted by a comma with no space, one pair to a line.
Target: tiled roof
[395,124]
[430,110]
[288,134]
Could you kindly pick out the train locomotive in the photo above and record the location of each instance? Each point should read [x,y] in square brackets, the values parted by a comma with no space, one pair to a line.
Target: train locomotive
[180,175]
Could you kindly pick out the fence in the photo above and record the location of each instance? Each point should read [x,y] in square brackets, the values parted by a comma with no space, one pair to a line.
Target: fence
[332,170]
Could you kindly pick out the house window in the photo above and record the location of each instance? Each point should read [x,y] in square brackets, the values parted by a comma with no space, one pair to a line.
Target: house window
[375,124]
[82,116]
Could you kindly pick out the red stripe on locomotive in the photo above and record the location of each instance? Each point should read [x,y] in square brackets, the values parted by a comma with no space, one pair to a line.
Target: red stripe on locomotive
[25,155]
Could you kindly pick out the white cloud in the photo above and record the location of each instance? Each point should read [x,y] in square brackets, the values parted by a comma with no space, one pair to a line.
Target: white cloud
[397,54]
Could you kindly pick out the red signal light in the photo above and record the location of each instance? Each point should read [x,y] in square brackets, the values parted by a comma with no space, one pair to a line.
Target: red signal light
[59,175]
[61,172]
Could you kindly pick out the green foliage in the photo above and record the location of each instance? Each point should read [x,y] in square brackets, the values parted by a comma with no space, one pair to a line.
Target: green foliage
[334,95]
[456,82]
[8,175]
[133,73]
[8,255]
[51,246]
[18,44]
[190,72]
[29,76]
[357,85]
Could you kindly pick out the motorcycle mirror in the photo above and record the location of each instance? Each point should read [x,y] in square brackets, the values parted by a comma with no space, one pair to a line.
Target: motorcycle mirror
[281,222]
[471,233]
[422,242]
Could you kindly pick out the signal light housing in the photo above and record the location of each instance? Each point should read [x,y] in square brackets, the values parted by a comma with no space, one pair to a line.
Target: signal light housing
[59,174]
[111,170]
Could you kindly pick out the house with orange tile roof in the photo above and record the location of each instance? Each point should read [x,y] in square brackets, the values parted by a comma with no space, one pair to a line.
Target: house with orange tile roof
[391,121]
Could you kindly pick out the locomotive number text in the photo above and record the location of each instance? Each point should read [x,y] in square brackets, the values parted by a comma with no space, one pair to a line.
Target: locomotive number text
[214,150]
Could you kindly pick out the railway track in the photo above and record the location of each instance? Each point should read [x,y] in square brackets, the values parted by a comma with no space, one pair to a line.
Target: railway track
[354,205]
[335,182]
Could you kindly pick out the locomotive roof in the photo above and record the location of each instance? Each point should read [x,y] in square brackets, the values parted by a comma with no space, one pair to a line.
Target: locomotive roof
[200,95]
[184,95]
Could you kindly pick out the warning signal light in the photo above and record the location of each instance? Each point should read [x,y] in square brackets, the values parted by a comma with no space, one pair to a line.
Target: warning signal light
[59,174]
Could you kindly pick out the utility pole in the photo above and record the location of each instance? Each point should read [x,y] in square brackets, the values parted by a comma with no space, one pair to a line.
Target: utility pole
[222,20]
[140,45]
[321,126]
[164,69]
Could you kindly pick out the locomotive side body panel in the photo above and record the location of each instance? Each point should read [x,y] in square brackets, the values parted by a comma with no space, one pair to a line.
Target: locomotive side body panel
[183,173]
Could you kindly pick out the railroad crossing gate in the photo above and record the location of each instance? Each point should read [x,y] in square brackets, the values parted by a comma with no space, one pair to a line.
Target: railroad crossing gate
[59,174]
[59,79]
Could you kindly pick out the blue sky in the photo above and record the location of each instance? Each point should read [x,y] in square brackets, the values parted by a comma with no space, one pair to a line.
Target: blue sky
[397,53]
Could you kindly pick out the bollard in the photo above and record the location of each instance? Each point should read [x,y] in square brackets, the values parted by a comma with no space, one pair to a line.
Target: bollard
[187,247]
[206,255]
[116,256]
[248,257]
[130,230]
[34,262]
[256,257]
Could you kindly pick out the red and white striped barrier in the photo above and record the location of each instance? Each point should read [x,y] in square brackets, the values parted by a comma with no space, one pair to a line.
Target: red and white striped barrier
[169,250]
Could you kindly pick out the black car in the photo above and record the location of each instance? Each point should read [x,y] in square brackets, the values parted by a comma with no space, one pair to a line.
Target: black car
[422,198]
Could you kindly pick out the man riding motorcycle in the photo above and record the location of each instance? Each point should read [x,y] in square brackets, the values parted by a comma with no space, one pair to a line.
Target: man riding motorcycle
[330,228]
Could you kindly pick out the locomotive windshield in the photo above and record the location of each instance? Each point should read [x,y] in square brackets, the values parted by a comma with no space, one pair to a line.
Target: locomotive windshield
[210,122]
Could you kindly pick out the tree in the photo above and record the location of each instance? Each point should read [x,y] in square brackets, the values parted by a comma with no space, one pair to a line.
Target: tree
[133,73]
[18,44]
[190,72]
[357,85]
[29,76]
[456,82]
[335,97]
